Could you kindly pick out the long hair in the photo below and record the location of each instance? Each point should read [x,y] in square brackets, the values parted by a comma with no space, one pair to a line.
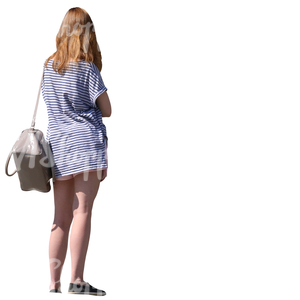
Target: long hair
[76,40]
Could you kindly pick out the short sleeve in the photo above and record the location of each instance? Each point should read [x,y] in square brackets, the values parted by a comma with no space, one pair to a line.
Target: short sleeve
[96,84]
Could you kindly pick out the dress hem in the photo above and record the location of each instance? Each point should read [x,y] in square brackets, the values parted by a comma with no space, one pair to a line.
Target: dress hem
[72,175]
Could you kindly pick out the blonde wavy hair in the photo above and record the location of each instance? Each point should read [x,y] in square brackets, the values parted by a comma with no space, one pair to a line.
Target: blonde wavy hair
[76,40]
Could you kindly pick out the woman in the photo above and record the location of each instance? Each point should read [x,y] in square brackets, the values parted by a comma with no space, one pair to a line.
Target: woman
[76,100]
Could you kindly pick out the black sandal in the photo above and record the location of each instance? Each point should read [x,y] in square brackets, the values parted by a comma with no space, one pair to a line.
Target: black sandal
[85,289]
[55,291]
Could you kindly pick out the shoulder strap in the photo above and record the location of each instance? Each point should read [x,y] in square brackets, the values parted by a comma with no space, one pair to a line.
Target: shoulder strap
[37,101]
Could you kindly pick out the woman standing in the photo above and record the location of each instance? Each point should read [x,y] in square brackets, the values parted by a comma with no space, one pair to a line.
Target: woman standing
[76,100]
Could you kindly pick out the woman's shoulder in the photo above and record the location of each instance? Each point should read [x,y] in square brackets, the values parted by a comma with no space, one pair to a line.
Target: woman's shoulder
[90,66]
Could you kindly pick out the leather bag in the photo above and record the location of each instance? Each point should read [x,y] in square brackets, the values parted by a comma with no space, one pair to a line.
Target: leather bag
[33,157]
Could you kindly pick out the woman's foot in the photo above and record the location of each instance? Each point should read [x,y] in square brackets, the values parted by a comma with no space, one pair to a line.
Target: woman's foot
[55,291]
[85,288]
[79,281]
[55,287]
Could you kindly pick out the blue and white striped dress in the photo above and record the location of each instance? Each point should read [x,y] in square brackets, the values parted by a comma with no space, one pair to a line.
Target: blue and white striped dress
[75,132]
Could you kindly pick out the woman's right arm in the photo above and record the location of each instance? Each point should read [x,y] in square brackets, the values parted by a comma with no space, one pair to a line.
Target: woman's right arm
[104,105]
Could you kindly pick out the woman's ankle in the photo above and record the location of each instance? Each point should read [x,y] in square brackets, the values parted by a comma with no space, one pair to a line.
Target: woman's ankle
[78,280]
[55,285]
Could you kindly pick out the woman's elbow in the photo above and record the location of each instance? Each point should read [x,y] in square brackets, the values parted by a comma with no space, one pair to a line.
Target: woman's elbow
[107,114]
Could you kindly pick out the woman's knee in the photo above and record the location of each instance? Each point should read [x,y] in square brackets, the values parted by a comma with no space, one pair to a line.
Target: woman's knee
[82,206]
[63,222]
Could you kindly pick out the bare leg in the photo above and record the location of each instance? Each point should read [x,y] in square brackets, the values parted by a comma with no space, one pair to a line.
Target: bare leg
[85,193]
[63,198]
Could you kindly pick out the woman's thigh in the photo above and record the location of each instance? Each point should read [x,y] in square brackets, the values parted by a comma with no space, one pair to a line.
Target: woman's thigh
[63,200]
[85,192]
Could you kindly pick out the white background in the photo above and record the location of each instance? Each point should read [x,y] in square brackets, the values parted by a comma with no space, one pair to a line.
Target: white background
[201,200]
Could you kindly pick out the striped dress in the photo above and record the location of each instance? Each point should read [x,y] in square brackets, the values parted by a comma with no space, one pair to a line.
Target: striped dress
[76,134]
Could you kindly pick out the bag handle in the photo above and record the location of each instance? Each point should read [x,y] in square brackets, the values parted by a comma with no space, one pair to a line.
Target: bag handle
[37,101]
[6,165]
